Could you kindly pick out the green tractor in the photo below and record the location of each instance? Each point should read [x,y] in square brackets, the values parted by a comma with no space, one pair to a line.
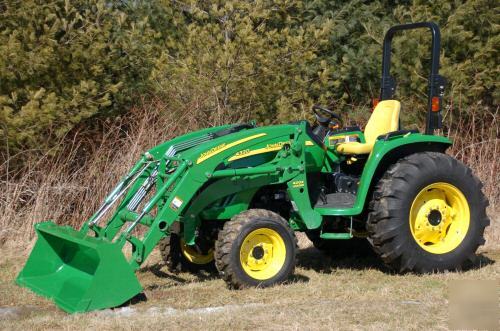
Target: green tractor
[232,197]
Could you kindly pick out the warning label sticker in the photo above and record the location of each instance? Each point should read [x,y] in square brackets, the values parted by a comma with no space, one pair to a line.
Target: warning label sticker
[176,203]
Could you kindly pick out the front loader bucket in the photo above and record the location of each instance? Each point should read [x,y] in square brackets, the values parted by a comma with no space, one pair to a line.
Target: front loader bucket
[78,272]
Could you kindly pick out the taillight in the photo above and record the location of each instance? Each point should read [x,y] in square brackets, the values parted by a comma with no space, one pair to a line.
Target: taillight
[435,106]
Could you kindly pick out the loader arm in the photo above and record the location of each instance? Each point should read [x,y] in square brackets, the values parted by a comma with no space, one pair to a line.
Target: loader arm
[171,184]
[207,173]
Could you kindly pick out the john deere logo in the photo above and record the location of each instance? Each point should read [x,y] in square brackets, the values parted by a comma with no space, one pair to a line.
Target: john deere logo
[212,151]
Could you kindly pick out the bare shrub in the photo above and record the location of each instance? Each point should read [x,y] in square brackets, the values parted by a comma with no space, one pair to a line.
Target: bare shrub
[69,187]
[476,139]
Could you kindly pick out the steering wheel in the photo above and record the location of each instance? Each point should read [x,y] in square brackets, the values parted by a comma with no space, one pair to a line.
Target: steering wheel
[332,118]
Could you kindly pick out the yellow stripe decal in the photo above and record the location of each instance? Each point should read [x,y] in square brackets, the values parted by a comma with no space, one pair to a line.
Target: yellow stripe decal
[221,148]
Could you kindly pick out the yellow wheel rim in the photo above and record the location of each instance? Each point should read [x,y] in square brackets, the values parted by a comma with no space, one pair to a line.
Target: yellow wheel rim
[193,256]
[263,253]
[439,218]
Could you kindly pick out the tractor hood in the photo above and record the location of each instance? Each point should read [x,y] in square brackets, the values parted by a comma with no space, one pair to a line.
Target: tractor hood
[238,145]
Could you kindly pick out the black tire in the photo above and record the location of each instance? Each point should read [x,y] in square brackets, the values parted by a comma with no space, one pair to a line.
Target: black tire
[171,252]
[232,237]
[389,213]
[339,248]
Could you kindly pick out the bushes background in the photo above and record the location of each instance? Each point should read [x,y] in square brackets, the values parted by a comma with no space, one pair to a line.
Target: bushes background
[87,85]
[67,65]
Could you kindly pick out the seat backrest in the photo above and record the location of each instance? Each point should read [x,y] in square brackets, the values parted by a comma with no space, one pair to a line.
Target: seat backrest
[384,119]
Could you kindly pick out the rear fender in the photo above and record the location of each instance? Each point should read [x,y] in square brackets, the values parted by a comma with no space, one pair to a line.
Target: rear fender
[385,153]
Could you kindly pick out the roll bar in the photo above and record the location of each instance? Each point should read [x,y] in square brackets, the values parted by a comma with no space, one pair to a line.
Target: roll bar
[436,83]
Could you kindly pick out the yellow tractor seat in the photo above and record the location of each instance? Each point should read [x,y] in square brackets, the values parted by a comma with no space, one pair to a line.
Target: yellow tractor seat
[384,119]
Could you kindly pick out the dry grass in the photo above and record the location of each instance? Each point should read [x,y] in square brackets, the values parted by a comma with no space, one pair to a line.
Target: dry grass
[349,293]
[476,143]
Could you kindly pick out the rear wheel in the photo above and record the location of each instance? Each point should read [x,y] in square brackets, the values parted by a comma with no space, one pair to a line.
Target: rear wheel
[427,214]
[180,257]
[255,248]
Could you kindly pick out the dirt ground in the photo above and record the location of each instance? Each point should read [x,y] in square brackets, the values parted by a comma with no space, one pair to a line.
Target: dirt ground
[353,292]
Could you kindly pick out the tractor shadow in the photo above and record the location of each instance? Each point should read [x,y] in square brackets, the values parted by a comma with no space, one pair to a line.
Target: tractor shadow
[157,278]
[311,258]
[160,270]
[480,261]
[308,258]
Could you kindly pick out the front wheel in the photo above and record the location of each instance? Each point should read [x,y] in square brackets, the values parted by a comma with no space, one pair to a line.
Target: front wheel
[255,248]
[428,213]
[180,257]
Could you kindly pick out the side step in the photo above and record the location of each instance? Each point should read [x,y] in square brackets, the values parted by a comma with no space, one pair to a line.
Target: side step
[325,235]
[337,235]
[337,200]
